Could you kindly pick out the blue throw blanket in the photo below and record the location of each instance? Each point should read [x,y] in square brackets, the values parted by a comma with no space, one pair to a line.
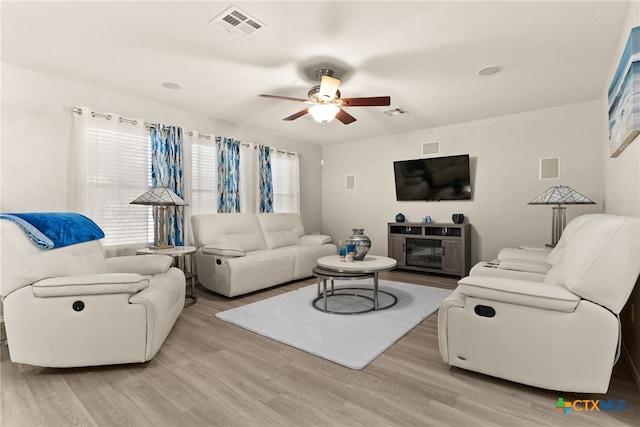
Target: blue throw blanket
[49,230]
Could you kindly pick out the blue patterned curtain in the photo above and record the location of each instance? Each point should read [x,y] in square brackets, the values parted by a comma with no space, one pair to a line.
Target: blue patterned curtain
[228,175]
[167,171]
[265,179]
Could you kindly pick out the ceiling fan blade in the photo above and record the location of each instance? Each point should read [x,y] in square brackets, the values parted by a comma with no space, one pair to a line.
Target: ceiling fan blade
[296,115]
[286,98]
[328,88]
[345,117]
[374,101]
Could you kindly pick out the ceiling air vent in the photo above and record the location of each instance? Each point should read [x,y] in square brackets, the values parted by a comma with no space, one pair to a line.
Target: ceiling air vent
[395,111]
[237,22]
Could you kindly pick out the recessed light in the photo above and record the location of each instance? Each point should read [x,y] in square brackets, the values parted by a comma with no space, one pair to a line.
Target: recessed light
[171,85]
[489,70]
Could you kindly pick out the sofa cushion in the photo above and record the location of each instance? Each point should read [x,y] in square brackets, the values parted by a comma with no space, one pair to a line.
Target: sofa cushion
[528,265]
[24,263]
[519,292]
[528,254]
[223,251]
[281,229]
[601,262]
[236,230]
[315,239]
[257,270]
[306,257]
[97,284]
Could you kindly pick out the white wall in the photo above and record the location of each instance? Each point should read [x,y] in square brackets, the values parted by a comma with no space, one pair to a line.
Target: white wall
[37,125]
[622,196]
[504,153]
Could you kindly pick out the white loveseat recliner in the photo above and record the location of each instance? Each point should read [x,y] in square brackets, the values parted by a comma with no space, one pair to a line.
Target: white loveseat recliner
[71,306]
[238,253]
[560,334]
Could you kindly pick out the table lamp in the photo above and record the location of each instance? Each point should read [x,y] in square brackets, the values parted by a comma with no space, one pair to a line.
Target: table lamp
[161,198]
[559,196]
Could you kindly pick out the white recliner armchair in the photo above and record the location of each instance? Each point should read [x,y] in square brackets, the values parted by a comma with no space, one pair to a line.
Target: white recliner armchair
[530,264]
[69,306]
[560,334]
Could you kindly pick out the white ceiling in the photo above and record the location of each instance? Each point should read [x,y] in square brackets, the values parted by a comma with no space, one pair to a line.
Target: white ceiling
[424,54]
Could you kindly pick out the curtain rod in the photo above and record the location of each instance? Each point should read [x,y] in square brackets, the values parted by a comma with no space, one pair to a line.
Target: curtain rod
[291,153]
[255,147]
[132,121]
[78,110]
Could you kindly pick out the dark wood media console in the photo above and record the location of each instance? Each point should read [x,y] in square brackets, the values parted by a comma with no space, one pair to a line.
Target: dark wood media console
[431,247]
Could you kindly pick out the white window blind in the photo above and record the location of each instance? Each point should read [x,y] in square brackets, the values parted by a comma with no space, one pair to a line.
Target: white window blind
[119,170]
[286,187]
[113,167]
[204,176]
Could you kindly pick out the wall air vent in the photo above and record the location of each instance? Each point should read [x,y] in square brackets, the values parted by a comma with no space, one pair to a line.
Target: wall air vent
[429,148]
[237,22]
[395,111]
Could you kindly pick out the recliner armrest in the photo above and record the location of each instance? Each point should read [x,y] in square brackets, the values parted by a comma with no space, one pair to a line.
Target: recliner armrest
[140,264]
[525,254]
[315,239]
[94,284]
[223,251]
[528,265]
[519,292]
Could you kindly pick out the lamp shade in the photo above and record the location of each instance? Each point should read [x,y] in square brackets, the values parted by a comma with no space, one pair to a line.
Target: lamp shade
[159,196]
[328,88]
[561,195]
[324,113]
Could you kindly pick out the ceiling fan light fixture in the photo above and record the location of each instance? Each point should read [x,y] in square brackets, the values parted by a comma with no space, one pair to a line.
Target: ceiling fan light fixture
[324,113]
[328,88]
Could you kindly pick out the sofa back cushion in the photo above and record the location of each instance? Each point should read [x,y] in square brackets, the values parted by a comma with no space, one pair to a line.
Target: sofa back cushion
[555,256]
[281,229]
[24,263]
[233,230]
[601,262]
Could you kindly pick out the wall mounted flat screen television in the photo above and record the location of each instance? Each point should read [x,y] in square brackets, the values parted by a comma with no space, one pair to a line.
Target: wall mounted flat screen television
[435,178]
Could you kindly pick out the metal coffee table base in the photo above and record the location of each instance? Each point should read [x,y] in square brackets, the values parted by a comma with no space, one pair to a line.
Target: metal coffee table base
[325,275]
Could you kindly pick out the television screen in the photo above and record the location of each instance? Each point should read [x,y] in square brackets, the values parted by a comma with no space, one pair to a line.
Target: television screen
[435,178]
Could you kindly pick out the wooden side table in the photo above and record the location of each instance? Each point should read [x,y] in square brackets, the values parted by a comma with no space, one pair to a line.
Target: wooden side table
[179,253]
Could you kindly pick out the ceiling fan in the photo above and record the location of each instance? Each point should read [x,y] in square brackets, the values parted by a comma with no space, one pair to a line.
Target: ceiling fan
[327,103]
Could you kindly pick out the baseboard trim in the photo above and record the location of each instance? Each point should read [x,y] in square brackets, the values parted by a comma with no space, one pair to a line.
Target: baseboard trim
[634,370]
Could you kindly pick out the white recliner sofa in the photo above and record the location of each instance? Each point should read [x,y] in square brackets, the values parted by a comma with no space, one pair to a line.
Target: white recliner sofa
[530,264]
[238,253]
[560,334]
[71,306]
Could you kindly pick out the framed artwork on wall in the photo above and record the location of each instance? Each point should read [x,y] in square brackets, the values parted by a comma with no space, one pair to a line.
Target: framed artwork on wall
[624,97]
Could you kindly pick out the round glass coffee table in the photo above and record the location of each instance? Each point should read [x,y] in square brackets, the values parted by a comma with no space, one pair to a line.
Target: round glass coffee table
[332,267]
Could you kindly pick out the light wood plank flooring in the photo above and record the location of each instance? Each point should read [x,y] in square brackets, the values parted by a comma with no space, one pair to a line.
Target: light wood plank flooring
[210,373]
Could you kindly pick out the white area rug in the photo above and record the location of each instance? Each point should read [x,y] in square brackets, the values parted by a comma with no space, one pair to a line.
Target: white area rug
[353,340]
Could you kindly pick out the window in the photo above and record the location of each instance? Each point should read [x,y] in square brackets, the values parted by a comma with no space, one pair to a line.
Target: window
[119,170]
[113,168]
[204,177]
[286,187]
